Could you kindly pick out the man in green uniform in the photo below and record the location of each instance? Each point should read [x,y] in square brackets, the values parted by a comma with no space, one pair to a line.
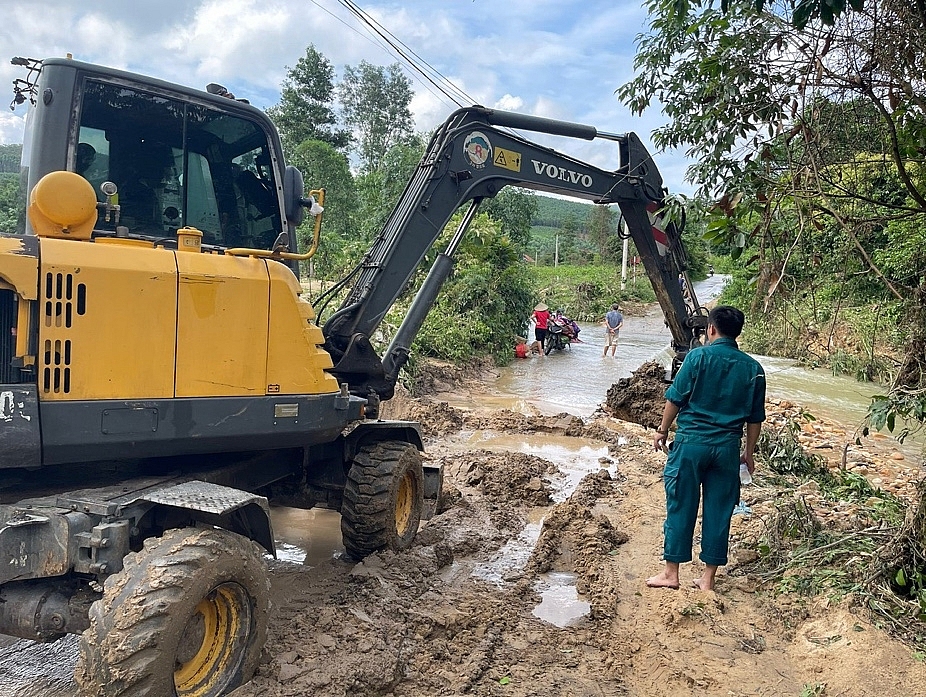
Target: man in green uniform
[717,390]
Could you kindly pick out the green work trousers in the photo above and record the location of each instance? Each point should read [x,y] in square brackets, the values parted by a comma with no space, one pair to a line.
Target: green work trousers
[694,472]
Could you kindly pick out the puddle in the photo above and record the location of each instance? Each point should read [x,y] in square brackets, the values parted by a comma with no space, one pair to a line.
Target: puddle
[560,603]
[307,537]
[573,457]
[508,563]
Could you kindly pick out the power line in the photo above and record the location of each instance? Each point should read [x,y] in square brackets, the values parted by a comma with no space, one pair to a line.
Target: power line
[385,47]
[410,57]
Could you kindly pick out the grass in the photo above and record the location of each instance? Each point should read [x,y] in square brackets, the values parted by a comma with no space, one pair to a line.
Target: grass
[875,558]
[586,293]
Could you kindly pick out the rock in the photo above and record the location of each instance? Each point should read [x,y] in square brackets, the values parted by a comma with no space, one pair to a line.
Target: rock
[288,672]
[808,488]
[897,456]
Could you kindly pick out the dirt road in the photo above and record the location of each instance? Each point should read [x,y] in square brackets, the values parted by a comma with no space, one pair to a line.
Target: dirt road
[458,613]
[428,622]
[540,515]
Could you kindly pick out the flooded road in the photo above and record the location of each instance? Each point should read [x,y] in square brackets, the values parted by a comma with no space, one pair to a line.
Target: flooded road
[576,380]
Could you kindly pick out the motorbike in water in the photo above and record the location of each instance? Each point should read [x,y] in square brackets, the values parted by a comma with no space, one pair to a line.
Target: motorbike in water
[559,336]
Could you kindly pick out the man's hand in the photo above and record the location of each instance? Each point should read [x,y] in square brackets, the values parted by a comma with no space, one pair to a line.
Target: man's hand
[750,462]
[659,440]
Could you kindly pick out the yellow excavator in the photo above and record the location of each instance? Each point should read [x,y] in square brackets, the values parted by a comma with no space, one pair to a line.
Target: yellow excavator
[163,379]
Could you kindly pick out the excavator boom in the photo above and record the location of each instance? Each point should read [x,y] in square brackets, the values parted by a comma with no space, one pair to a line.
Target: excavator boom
[471,157]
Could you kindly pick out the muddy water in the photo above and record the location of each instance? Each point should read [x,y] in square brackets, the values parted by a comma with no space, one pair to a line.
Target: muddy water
[576,381]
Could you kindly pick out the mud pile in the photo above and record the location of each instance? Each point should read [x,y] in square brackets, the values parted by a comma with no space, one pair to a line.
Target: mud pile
[639,398]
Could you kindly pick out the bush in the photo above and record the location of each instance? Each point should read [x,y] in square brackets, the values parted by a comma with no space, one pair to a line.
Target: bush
[586,293]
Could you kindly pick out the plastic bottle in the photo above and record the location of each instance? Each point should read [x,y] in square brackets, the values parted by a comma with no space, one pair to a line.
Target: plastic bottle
[745,476]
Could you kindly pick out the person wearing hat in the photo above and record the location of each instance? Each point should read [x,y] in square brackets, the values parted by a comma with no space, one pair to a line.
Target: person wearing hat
[541,317]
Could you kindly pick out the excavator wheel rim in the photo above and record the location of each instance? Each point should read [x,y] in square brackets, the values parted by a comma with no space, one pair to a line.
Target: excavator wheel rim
[405,503]
[223,618]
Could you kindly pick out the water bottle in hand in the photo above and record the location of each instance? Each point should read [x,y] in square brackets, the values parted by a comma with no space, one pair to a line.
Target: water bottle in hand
[745,476]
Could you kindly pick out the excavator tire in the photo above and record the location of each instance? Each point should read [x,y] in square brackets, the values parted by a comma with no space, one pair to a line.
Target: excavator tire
[186,617]
[383,499]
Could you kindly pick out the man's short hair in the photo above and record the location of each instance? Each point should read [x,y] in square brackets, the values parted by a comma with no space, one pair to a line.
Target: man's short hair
[615,306]
[727,320]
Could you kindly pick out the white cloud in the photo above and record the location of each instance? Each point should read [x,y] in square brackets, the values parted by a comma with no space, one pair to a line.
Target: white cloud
[561,59]
[509,103]
[11,128]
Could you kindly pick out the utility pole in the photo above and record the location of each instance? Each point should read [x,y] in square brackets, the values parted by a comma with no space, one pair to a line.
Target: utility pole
[624,255]
[556,252]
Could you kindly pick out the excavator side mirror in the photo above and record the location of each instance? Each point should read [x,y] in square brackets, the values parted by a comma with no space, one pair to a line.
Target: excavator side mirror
[293,192]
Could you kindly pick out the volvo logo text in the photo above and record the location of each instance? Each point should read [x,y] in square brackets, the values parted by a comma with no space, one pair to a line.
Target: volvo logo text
[562,174]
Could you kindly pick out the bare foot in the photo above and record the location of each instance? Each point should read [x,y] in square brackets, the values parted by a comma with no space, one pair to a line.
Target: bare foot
[703,584]
[662,581]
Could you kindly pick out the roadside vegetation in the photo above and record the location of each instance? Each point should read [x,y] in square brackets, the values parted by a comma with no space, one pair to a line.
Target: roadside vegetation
[806,125]
[869,553]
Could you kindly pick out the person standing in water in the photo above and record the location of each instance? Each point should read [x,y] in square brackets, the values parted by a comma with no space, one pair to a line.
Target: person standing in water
[541,318]
[613,321]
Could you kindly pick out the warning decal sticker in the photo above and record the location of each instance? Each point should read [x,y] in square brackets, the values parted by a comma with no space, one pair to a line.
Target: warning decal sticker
[507,159]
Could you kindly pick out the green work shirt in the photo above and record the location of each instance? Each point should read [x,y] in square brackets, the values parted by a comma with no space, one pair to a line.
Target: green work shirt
[717,390]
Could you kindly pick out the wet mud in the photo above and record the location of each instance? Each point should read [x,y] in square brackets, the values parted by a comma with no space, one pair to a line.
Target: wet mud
[640,397]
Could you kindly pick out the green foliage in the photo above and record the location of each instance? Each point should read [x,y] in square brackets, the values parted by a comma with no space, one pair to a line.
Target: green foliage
[10,157]
[552,212]
[514,209]
[602,227]
[903,407]
[581,233]
[586,293]
[826,10]
[486,302]
[375,104]
[813,689]
[903,256]
[783,453]
[11,206]
[324,167]
[710,72]
[379,190]
[304,111]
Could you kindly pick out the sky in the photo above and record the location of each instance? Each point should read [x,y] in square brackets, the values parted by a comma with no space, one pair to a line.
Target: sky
[561,59]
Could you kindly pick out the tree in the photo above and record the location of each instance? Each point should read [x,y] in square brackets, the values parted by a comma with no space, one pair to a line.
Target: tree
[378,190]
[601,230]
[10,156]
[810,137]
[514,209]
[375,104]
[325,168]
[304,111]
[11,207]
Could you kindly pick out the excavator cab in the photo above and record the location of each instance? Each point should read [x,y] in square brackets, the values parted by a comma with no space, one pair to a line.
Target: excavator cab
[176,164]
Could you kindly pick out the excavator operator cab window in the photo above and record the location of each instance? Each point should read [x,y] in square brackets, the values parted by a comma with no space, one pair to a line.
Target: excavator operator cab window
[178,164]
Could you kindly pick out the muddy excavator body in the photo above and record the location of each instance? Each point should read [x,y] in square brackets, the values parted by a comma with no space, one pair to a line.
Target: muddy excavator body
[163,379]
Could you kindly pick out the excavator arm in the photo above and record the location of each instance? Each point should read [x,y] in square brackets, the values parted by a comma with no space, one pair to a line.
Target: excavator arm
[471,158]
